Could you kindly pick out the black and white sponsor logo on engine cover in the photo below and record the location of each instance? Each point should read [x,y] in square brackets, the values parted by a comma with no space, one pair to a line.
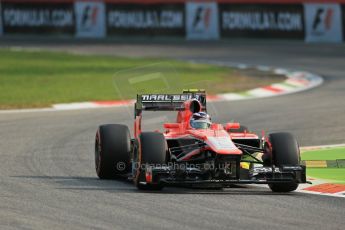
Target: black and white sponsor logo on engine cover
[168,97]
[242,20]
[38,18]
[156,19]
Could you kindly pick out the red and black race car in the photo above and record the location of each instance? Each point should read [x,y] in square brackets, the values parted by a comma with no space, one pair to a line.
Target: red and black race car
[193,151]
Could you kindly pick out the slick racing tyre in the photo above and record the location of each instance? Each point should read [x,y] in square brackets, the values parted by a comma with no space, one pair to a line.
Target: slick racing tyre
[112,150]
[152,150]
[284,150]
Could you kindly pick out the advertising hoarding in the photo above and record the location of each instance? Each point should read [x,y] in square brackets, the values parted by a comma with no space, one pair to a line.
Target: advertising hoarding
[145,19]
[38,18]
[90,19]
[323,23]
[262,21]
[343,13]
[202,20]
[1,30]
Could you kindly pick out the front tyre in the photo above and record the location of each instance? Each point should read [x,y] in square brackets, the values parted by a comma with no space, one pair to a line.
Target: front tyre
[112,150]
[282,149]
[152,150]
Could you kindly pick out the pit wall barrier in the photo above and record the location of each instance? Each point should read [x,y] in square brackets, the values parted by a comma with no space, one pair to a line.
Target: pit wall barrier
[309,20]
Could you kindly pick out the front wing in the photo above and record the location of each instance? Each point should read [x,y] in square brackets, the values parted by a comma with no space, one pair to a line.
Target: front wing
[262,175]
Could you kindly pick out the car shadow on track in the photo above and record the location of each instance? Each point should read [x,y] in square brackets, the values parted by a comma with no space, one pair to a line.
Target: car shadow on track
[121,185]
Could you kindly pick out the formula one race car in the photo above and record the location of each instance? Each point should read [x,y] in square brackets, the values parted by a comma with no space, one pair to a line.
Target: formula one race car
[193,151]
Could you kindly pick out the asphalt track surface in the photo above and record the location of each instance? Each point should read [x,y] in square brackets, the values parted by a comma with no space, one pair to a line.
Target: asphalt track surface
[47,175]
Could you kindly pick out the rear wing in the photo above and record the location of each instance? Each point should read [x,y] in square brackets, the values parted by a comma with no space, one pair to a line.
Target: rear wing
[168,102]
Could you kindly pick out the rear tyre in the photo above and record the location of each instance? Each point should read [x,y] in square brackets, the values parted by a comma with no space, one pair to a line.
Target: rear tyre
[153,151]
[112,149]
[284,150]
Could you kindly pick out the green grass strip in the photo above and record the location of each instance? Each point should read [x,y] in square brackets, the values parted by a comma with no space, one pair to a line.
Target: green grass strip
[40,79]
[333,174]
[324,154]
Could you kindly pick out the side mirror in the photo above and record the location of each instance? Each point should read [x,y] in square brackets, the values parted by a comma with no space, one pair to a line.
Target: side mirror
[229,126]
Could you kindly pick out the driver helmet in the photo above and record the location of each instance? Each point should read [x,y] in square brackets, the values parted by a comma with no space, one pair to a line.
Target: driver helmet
[200,120]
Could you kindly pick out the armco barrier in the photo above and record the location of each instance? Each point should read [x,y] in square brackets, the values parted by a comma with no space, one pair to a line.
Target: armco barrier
[312,20]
